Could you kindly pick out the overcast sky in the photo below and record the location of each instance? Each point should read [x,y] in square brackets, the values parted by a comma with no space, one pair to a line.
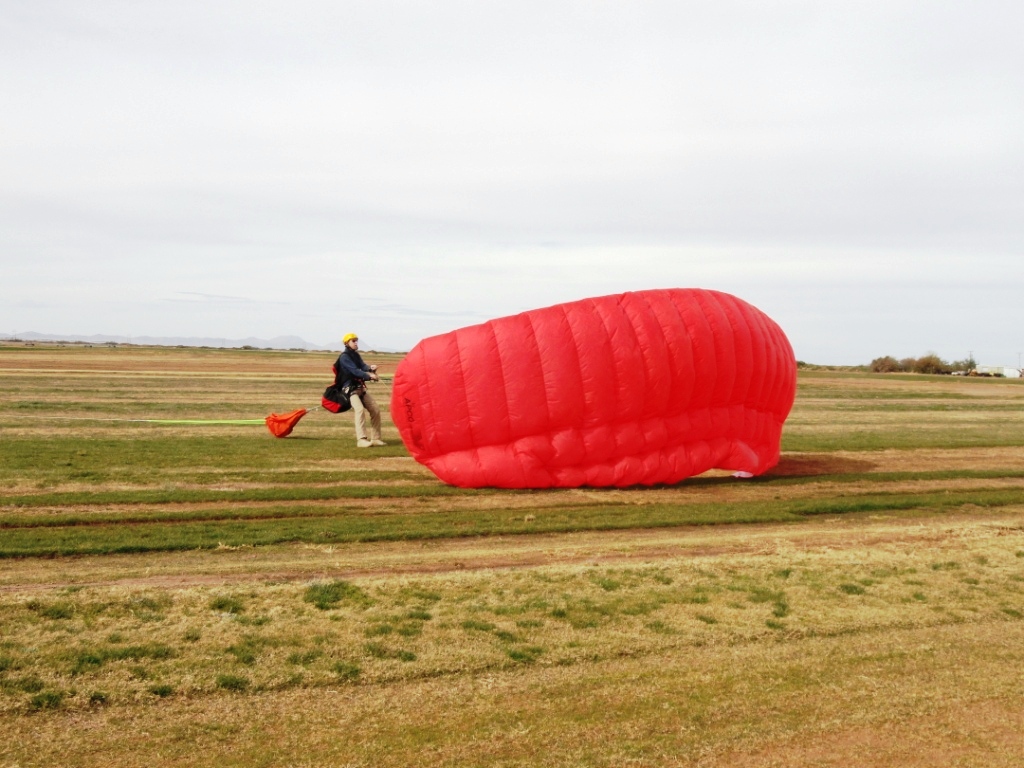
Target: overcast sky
[400,169]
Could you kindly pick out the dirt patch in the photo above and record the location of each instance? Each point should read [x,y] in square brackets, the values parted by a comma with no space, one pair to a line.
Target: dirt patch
[985,733]
[812,464]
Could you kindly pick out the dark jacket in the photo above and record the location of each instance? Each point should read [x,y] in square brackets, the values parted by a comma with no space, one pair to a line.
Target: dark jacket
[349,367]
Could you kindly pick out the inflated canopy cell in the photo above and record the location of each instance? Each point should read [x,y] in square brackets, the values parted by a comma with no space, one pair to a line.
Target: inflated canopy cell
[634,389]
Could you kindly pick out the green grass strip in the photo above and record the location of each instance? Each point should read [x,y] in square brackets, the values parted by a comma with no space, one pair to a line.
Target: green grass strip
[854,439]
[250,450]
[878,477]
[120,538]
[205,495]
[296,491]
[233,512]
[364,527]
[937,500]
[166,479]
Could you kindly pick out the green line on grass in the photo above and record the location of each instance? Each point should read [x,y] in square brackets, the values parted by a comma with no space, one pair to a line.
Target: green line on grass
[197,421]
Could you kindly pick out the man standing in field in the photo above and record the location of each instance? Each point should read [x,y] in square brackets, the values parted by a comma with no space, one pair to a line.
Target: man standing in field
[353,374]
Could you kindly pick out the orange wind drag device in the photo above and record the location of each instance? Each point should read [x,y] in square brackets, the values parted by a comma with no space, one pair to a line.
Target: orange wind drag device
[282,424]
[336,399]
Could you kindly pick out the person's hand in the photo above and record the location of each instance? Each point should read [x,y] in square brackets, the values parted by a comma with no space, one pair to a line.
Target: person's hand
[374,377]
[373,368]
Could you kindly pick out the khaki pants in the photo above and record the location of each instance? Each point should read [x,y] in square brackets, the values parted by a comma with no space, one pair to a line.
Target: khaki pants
[361,405]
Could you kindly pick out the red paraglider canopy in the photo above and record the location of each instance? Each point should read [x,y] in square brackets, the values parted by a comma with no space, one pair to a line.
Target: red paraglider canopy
[640,388]
[282,424]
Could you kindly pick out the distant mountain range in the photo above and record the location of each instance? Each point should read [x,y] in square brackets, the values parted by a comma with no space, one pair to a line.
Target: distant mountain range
[278,342]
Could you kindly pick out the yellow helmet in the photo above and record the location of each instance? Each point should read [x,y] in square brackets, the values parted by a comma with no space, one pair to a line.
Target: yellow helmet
[349,337]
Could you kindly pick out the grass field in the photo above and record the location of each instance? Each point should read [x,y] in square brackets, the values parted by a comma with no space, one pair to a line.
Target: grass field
[205,594]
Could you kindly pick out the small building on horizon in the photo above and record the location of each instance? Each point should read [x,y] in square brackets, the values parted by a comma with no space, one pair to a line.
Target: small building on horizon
[998,370]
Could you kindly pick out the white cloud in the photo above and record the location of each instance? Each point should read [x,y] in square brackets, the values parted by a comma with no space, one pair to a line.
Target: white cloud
[409,167]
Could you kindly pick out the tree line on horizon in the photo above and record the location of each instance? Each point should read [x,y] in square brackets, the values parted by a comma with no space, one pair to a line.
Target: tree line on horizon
[930,363]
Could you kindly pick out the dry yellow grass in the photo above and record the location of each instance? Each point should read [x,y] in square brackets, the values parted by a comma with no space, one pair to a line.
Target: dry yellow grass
[920,697]
[887,624]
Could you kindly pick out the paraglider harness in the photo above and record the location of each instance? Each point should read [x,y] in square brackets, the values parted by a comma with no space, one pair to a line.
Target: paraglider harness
[338,397]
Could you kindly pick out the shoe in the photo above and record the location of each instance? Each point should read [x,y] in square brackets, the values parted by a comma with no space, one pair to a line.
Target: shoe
[363,443]
[377,442]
